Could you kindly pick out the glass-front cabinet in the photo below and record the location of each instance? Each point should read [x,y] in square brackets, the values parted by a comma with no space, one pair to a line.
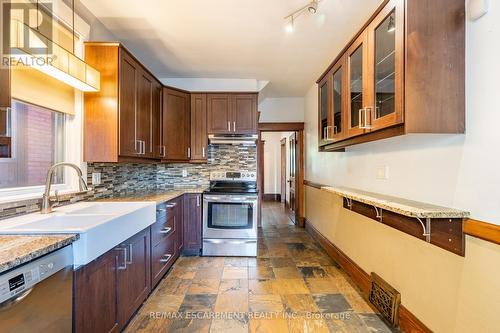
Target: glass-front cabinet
[337,130]
[324,110]
[356,87]
[385,34]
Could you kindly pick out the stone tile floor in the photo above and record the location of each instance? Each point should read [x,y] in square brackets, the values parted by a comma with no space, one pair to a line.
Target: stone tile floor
[292,286]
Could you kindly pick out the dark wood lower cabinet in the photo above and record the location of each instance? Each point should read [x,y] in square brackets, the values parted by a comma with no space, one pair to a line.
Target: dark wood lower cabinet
[192,224]
[134,281]
[95,295]
[109,290]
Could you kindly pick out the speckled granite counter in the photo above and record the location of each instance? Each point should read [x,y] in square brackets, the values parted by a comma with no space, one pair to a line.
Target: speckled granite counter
[16,250]
[398,205]
[159,197]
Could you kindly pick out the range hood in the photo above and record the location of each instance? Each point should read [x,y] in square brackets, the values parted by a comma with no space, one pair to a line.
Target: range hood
[232,139]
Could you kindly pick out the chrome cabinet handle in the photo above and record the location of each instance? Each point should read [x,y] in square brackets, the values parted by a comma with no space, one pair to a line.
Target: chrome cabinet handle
[234,126]
[229,126]
[335,130]
[171,205]
[143,147]
[189,152]
[198,201]
[368,111]
[138,151]
[165,258]
[203,149]
[360,117]
[363,118]
[165,230]
[124,266]
[162,151]
[129,262]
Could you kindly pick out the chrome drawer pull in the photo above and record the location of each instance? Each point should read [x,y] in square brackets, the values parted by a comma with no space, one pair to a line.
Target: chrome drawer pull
[129,262]
[165,231]
[124,266]
[165,258]
[172,205]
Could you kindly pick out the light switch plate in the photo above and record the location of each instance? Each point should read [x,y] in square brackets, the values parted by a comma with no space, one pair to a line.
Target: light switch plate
[96,178]
[383,172]
[184,173]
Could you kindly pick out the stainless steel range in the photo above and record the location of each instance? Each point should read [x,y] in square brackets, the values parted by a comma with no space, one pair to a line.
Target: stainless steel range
[230,214]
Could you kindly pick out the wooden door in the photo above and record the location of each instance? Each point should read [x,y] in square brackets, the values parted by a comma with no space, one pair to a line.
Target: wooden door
[339,97]
[324,110]
[292,175]
[128,88]
[219,114]
[145,114]
[199,136]
[134,282]
[95,288]
[386,65]
[283,170]
[244,113]
[157,144]
[192,224]
[357,92]
[176,125]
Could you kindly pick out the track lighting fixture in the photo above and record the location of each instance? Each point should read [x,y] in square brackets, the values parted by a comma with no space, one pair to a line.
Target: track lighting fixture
[311,7]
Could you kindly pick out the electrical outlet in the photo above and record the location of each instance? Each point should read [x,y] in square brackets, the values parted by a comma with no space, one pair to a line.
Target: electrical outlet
[383,172]
[96,178]
[184,173]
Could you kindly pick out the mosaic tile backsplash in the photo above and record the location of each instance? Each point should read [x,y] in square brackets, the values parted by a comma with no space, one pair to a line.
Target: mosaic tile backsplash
[123,179]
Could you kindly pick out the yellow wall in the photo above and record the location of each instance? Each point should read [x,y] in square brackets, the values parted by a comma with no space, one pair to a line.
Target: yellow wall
[446,292]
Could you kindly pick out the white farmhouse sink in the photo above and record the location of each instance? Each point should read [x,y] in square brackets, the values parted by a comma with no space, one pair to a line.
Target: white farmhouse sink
[101,225]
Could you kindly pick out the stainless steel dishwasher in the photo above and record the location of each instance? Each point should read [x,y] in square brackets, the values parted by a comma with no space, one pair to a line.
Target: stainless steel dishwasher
[37,297]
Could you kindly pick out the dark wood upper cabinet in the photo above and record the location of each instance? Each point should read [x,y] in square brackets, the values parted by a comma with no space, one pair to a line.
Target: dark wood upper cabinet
[5,92]
[134,282]
[401,76]
[232,113]
[219,115]
[199,136]
[176,125]
[192,224]
[244,113]
[95,295]
[121,120]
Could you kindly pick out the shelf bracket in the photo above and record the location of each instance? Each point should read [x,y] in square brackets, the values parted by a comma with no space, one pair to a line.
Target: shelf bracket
[379,212]
[349,203]
[426,227]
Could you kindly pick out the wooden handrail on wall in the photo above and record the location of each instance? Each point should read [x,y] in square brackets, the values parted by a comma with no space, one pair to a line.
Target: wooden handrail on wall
[486,231]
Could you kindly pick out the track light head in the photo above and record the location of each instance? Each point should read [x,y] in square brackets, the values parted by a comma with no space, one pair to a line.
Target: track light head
[313,7]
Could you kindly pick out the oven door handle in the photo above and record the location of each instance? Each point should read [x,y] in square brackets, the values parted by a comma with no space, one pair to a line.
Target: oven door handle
[227,241]
[231,199]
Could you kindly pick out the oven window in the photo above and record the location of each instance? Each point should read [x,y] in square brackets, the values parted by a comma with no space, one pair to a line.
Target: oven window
[230,215]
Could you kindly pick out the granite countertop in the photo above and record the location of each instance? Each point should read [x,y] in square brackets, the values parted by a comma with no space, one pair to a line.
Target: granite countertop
[398,205]
[16,250]
[160,196]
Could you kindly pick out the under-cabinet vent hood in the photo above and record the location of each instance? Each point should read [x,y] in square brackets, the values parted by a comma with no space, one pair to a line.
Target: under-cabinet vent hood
[232,139]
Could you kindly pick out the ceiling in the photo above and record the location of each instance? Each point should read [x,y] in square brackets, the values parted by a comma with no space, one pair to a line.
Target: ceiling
[238,39]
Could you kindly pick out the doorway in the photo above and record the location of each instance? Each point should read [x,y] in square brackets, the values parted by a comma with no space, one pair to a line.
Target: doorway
[288,163]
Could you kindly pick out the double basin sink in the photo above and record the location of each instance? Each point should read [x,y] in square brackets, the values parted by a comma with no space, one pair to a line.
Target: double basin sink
[100,225]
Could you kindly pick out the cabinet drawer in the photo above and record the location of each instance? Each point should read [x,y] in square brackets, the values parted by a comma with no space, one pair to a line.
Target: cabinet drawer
[164,227]
[162,258]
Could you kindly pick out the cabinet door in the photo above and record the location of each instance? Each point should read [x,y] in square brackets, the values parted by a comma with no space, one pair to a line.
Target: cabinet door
[134,282]
[176,125]
[386,40]
[199,137]
[219,114]
[338,80]
[145,114]
[358,95]
[324,110]
[192,224]
[5,97]
[158,147]
[244,113]
[95,288]
[129,74]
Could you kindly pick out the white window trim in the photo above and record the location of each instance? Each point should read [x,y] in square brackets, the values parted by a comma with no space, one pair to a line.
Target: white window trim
[73,130]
